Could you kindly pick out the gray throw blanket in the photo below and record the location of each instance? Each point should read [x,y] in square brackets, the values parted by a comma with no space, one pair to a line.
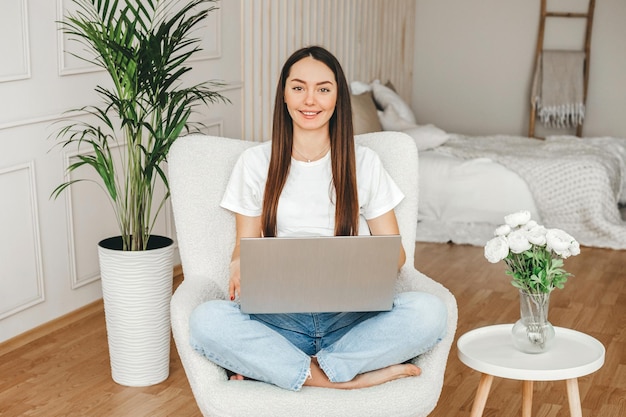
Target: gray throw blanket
[575,184]
[557,89]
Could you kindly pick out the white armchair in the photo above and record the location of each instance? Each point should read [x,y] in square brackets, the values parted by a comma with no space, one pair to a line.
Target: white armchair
[199,168]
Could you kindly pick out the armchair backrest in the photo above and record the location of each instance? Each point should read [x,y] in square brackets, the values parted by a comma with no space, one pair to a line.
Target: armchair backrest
[398,154]
[199,169]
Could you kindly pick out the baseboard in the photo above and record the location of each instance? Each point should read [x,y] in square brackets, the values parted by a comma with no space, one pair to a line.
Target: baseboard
[96,307]
[45,329]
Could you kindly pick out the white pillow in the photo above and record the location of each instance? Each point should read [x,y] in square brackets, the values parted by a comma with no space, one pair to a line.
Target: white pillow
[427,136]
[391,120]
[359,87]
[386,97]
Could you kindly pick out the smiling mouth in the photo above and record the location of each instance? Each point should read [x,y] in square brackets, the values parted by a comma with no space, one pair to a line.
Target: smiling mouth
[309,113]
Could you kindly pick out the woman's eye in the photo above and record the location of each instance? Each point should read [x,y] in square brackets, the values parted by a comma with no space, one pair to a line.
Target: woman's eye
[325,90]
[298,88]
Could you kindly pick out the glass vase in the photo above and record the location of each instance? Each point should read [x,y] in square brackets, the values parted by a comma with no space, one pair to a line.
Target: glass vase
[533,333]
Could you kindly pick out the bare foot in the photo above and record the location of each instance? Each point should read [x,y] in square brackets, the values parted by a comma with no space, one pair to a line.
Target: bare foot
[367,379]
[380,376]
[234,376]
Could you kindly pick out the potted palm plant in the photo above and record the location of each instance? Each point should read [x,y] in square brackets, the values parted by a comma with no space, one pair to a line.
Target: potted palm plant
[144,46]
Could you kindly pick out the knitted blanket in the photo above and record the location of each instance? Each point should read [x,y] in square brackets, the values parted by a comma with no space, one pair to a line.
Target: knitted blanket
[558,88]
[576,183]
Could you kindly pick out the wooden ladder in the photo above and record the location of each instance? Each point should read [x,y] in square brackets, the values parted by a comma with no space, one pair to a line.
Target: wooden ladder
[540,42]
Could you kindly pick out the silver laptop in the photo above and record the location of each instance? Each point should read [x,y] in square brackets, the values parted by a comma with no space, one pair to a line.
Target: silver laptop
[318,274]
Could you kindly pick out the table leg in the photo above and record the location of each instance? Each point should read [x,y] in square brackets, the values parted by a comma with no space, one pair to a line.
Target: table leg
[481,395]
[573,396]
[527,398]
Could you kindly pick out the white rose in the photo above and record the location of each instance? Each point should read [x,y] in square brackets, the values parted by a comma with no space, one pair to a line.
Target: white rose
[518,242]
[517,219]
[537,235]
[560,242]
[574,248]
[496,249]
[531,224]
[503,230]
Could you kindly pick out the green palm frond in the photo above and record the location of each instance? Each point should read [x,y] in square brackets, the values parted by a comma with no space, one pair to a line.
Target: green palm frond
[144,46]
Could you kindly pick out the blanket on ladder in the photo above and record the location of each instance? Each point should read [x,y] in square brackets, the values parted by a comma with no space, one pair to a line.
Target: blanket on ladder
[558,88]
[576,183]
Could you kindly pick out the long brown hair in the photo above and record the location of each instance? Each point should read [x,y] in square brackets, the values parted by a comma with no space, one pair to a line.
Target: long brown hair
[341,146]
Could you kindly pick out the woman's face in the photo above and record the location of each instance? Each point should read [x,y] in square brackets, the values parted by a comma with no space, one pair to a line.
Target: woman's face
[310,94]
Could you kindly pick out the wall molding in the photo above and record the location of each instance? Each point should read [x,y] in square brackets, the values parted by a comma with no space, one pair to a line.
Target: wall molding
[39,296]
[75,281]
[62,47]
[213,123]
[51,118]
[42,119]
[215,53]
[25,31]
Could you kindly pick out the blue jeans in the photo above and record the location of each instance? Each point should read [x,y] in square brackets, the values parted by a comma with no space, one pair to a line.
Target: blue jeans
[277,348]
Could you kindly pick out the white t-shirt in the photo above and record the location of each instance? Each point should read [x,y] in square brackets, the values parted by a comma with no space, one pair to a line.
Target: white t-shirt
[306,205]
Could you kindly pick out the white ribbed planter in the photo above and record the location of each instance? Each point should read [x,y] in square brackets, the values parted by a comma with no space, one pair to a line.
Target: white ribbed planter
[137,288]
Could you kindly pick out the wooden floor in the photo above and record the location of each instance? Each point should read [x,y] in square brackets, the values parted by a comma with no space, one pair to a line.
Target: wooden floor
[66,373]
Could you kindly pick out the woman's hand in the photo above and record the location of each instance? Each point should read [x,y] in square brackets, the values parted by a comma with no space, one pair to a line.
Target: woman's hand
[234,284]
[246,227]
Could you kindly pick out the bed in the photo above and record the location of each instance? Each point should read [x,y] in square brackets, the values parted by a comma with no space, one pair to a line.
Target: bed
[468,184]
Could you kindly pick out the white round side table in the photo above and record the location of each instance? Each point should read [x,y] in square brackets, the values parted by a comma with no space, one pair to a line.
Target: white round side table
[490,351]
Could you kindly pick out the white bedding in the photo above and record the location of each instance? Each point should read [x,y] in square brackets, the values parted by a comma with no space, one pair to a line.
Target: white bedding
[463,200]
[465,194]
[475,190]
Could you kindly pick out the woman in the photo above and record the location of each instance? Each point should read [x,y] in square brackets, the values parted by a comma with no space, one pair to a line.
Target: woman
[312,179]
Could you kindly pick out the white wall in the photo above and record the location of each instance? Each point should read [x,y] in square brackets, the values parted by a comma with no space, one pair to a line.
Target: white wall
[48,258]
[474,61]
[373,39]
